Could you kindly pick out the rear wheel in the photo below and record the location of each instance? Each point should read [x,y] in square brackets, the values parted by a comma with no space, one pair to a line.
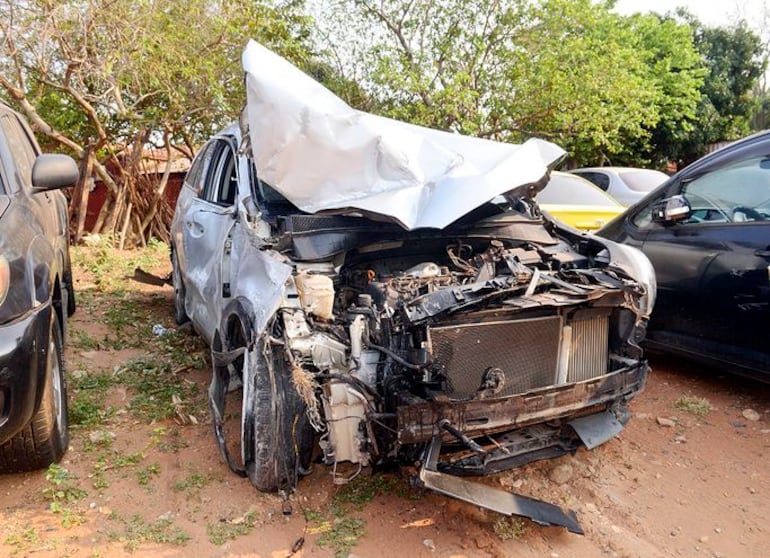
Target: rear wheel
[44,440]
[180,314]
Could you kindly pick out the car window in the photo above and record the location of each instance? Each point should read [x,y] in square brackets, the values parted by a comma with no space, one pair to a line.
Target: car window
[597,178]
[22,148]
[195,174]
[643,180]
[572,190]
[221,183]
[736,193]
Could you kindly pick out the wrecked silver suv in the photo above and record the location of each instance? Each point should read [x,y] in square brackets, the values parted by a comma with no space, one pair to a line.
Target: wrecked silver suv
[358,286]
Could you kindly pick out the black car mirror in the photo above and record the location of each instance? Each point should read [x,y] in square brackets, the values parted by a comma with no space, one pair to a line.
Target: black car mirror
[671,210]
[54,171]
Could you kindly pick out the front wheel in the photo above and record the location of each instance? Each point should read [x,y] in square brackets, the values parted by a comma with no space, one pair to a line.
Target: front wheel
[277,436]
[44,440]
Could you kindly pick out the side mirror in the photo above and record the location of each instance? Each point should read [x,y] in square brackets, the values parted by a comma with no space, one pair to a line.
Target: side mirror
[53,172]
[671,210]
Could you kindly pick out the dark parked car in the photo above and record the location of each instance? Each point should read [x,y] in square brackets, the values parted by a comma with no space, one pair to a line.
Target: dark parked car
[35,298]
[358,288]
[707,233]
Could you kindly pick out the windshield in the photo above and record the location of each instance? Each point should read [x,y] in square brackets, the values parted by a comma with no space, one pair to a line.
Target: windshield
[643,180]
[567,189]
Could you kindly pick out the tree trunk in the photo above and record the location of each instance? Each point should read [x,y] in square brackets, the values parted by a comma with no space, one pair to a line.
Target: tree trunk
[79,205]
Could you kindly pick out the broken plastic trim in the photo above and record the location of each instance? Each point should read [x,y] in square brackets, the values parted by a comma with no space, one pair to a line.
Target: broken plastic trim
[491,498]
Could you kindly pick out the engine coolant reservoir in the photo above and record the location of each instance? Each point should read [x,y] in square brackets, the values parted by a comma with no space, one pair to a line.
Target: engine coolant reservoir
[316,293]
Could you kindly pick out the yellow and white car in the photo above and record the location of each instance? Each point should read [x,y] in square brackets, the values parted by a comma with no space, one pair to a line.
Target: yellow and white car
[576,202]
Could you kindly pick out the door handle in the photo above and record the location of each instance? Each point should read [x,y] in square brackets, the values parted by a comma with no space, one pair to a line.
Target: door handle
[195,228]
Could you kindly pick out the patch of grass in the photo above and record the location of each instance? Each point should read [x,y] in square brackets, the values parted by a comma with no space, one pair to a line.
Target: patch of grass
[509,528]
[89,391]
[143,476]
[61,485]
[697,406]
[137,531]
[183,350]
[340,535]
[82,341]
[313,516]
[24,541]
[228,529]
[159,392]
[129,322]
[62,491]
[339,531]
[108,267]
[122,461]
[194,482]
[363,490]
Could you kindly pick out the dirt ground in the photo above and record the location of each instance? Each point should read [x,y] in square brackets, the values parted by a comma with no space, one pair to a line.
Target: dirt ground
[689,476]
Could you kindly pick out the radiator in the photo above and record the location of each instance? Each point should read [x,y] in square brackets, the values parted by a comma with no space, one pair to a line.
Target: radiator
[589,356]
[526,351]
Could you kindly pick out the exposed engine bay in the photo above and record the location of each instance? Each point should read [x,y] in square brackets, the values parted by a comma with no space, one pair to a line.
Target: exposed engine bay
[494,346]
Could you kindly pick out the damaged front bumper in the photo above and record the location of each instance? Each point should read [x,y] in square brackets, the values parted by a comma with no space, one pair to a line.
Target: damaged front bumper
[419,422]
[538,425]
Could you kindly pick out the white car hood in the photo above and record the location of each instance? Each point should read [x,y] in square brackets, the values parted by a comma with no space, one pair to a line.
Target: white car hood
[321,154]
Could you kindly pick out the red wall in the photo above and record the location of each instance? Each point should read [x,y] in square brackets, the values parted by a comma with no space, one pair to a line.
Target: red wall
[97,196]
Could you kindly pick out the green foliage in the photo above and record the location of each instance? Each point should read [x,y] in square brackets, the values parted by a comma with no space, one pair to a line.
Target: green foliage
[158,392]
[63,492]
[137,530]
[229,529]
[698,406]
[363,490]
[143,476]
[509,528]
[735,59]
[340,534]
[597,83]
[194,482]
[61,485]
[143,65]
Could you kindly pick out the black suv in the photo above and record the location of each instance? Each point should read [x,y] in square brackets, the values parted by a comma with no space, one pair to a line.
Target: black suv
[36,298]
[707,233]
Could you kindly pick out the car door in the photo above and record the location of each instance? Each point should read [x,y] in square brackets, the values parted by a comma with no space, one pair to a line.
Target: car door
[713,267]
[207,224]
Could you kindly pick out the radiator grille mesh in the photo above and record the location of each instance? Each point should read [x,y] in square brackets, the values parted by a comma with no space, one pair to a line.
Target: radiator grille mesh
[525,350]
[589,351]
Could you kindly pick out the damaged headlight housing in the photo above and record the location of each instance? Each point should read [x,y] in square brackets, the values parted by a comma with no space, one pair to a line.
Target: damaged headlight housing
[635,264]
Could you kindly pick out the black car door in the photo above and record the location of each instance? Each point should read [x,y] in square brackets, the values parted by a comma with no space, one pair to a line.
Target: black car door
[713,267]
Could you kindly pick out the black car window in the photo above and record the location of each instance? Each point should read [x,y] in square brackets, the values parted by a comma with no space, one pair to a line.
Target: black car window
[736,193]
[598,178]
[196,169]
[221,179]
[197,173]
[22,148]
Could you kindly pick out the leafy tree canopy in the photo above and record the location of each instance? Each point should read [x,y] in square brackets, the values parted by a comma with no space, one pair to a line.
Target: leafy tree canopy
[600,84]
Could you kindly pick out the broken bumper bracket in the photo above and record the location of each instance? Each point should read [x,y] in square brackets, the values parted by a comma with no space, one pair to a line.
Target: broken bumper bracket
[491,498]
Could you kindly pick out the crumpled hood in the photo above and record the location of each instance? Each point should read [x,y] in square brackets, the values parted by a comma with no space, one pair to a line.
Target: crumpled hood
[321,154]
